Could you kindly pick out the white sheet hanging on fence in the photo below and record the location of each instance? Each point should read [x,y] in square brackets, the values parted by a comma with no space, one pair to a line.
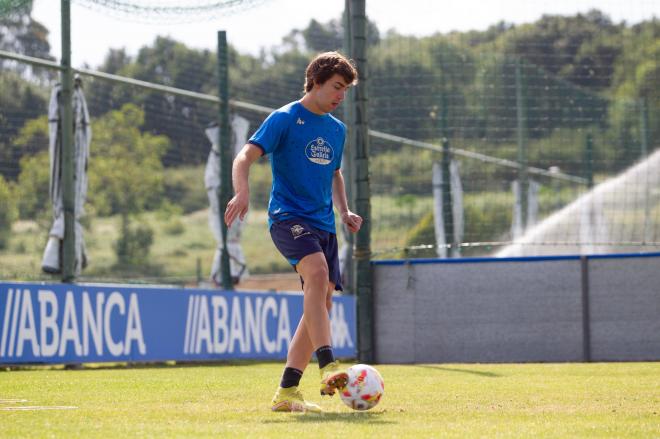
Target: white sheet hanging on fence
[82,136]
[212,181]
[456,193]
[518,229]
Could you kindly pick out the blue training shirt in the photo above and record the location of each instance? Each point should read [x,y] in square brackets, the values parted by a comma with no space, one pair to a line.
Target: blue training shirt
[305,151]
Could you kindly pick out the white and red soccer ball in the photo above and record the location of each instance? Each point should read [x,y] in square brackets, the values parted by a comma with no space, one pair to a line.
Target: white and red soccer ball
[364,389]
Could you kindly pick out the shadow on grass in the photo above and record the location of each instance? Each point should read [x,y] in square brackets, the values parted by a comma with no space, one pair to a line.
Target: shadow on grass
[355,418]
[468,371]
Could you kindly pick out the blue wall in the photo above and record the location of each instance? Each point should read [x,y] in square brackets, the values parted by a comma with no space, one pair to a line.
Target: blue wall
[59,323]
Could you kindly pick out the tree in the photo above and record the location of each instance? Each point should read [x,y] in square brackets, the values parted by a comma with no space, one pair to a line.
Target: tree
[21,101]
[20,96]
[125,170]
[126,177]
[7,213]
[19,33]
[182,120]
[32,188]
[322,37]
[636,86]
[416,86]
[582,49]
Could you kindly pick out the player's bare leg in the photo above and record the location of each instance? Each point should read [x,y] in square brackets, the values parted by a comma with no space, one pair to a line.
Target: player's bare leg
[299,355]
[314,271]
[301,347]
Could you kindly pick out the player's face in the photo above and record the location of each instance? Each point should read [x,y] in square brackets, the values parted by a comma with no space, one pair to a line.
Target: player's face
[331,93]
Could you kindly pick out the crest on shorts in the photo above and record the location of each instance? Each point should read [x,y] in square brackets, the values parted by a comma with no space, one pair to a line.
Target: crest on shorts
[297,231]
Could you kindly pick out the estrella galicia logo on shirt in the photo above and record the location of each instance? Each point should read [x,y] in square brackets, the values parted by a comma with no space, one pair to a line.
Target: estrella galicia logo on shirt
[319,151]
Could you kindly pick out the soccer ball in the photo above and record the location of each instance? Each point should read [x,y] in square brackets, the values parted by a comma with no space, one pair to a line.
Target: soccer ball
[364,388]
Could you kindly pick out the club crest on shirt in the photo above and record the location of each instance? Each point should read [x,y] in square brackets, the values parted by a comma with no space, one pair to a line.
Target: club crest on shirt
[319,151]
[297,231]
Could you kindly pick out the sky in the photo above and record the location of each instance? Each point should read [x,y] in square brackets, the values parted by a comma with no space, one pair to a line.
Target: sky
[94,31]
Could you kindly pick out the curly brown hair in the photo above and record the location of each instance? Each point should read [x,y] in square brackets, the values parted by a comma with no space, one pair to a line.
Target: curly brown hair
[326,64]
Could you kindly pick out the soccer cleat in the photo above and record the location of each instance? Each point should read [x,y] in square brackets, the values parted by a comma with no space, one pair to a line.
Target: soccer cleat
[333,378]
[290,399]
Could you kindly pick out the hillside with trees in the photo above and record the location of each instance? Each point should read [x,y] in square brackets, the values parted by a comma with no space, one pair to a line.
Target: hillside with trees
[580,73]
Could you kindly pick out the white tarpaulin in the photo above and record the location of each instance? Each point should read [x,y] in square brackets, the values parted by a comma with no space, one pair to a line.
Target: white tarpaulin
[517,227]
[82,136]
[212,181]
[456,191]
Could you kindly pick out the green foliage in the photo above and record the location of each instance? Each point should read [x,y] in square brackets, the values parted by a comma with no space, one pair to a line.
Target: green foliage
[580,48]
[132,247]
[321,37]
[174,227]
[8,212]
[32,190]
[419,87]
[20,97]
[180,119]
[171,215]
[20,33]
[184,186]
[126,177]
[422,234]
[581,74]
[402,171]
[487,219]
[125,170]
[260,183]
[566,148]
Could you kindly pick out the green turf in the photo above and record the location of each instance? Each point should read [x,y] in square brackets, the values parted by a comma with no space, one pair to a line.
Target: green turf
[439,400]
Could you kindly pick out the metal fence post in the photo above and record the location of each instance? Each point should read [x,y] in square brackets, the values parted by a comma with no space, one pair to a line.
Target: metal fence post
[226,156]
[521,116]
[589,161]
[364,281]
[348,165]
[447,208]
[66,121]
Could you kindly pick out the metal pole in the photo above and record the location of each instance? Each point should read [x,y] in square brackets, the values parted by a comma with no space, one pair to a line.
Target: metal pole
[364,281]
[66,121]
[644,135]
[348,166]
[521,116]
[226,156]
[586,319]
[589,161]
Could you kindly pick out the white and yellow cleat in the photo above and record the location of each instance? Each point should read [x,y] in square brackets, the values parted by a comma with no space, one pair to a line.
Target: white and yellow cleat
[333,378]
[290,399]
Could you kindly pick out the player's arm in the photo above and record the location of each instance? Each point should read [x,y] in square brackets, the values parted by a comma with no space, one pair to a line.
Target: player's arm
[238,205]
[353,221]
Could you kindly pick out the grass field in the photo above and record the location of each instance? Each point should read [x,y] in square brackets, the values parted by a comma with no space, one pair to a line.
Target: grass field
[426,400]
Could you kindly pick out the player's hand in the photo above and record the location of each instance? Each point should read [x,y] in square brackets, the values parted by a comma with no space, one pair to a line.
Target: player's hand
[237,208]
[352,220]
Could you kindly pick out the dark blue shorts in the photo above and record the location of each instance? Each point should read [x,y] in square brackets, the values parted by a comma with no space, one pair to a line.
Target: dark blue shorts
[295,239]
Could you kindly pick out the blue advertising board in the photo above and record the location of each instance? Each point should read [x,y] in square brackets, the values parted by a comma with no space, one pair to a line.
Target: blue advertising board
[60,323]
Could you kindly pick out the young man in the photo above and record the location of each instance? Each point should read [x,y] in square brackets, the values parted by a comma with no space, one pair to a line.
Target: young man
[305,143]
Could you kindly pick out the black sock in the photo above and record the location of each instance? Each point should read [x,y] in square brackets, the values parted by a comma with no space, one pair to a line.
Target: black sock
[291,377]
[325,356]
